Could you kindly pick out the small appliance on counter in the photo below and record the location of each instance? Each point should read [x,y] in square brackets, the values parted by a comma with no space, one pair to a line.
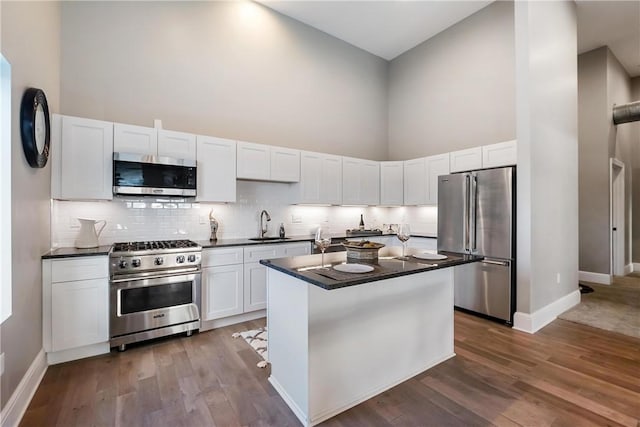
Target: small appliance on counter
[88,237]
[363,233]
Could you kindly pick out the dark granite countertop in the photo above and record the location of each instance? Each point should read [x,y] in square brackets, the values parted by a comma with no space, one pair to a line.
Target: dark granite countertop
[75,252]
[307,268]
[67,252]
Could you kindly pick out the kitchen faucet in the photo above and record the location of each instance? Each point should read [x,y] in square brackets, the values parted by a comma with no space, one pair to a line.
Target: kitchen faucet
[263,225]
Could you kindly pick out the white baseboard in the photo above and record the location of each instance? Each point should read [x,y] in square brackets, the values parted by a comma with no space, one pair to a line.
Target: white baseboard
[299,413]
[587,276]
[17,405]
[531,323]
[231,320]
[78,353]
[628,269]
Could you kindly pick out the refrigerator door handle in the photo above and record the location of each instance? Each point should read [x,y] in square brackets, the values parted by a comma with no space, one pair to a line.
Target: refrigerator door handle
[473,200]
[494,262]
[465,227]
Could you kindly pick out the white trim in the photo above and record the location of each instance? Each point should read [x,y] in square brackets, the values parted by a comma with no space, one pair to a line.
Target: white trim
[600,278]
[636,266]
[620,221]
[628,269]
[232,320]
[15,408]
[62,356]
[299,413]
[531,323]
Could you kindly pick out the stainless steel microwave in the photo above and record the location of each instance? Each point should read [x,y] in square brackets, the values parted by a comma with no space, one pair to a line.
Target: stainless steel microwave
[137,174]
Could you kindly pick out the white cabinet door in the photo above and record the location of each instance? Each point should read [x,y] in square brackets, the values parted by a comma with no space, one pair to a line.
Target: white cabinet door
[178,145]
[135,139]
[500,154]
[369,182]
[391,183]
[222,291]
[466,160]
[79,313]
[310,187]
[415,187]
[83,159]
[255,287]
[350,181]
[285,164]
[435,166]
[253,161]
[331,187]
[320,179]
[216,169]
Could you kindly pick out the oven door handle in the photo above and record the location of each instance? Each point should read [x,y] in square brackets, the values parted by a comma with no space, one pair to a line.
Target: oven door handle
[132,277]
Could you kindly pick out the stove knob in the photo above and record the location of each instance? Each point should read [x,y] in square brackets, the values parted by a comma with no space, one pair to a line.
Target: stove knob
[192,258]
[180,259]
[158,261]
[122,264]
[135,262]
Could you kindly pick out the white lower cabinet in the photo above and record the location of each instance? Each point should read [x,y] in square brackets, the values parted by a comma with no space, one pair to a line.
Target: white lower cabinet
[255,287]
[80,314]
[234,281]
[222,291]
[75,307]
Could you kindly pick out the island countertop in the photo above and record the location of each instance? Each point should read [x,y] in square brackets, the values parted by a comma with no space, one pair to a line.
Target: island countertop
[308,268]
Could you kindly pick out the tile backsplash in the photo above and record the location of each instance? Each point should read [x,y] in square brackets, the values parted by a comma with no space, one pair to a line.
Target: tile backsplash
[134,219]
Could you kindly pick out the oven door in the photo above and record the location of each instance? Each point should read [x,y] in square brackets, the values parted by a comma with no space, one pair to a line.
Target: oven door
[151,303]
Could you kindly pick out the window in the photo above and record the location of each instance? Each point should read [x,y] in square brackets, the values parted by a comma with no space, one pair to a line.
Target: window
[5,189]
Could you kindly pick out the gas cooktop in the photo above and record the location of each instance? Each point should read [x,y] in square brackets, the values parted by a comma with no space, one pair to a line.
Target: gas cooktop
[155,245]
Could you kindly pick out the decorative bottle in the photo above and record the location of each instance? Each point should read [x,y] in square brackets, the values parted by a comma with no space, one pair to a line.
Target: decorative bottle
[361,226]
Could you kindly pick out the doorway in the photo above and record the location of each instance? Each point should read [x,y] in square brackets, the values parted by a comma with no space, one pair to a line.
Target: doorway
[616,216]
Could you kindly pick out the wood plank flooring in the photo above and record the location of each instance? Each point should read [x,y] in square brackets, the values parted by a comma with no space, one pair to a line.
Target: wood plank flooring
[565,375]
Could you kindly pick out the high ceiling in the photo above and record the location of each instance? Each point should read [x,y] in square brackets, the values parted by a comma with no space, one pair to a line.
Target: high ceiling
[388,28]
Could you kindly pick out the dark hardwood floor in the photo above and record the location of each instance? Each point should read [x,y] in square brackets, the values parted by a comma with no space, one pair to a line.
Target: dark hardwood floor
[565,375]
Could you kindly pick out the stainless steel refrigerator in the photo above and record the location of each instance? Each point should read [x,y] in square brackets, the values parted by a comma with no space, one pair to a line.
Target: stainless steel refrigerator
[476,215]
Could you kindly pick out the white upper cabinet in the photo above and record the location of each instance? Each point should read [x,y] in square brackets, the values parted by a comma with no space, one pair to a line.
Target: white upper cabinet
[216,159]
[179,145]
[360,182]
[391,183]
[267,163]
[153,142]
[320,179]
[466,160]
[285,164]
[254,161]
[82,158]
[434,167]
[500,154]
[415,186]
[135,139]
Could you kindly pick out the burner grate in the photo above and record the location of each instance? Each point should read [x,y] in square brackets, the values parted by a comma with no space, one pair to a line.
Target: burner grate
[153,245]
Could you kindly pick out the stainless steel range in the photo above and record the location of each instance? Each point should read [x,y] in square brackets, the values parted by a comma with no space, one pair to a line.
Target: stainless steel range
[154,290]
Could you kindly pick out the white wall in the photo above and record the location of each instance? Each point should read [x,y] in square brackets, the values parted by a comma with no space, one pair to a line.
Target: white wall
[546,113]
[231,69]
[457,89]
[146,219]
[31,44]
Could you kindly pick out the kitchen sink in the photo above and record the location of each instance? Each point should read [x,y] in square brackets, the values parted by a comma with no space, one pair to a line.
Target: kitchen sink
[266,239]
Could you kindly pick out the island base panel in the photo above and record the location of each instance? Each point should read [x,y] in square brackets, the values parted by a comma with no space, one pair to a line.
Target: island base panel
[334,349]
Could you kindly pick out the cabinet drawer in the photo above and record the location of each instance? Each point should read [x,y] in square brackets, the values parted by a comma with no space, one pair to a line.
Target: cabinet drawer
[79,269]
[256,253]
[294,249]
[222,256]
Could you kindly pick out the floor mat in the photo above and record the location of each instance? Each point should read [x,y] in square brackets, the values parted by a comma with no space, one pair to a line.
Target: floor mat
[257,339]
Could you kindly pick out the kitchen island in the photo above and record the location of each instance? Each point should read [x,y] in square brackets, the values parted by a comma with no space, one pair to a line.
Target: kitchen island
[337,339]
